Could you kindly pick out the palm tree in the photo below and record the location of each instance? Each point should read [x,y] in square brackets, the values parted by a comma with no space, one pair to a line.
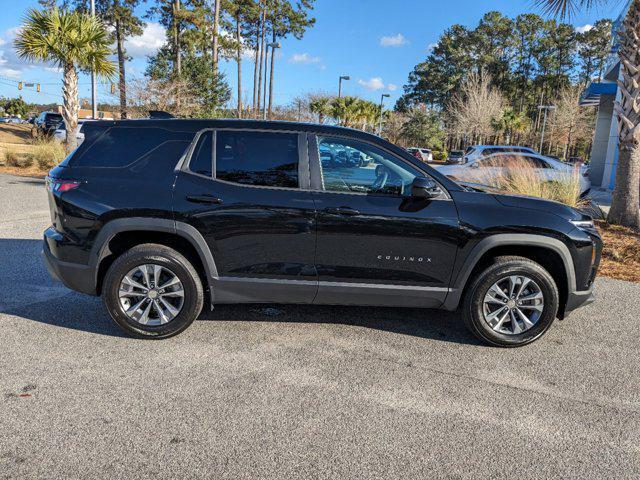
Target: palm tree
[320,105]
[626,195]
[71,41]
[510,122]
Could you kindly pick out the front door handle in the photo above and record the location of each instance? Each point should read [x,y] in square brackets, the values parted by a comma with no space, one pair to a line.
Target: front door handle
[205,198]
[342,211]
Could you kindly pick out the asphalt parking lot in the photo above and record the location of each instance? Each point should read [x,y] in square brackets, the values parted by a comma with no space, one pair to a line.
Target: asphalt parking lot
[302,392]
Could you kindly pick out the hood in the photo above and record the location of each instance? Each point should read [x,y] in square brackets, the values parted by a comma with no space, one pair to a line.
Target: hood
[530,203]
[548,206]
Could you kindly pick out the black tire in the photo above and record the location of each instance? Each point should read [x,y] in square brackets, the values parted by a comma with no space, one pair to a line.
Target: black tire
[472,309]
[165,257]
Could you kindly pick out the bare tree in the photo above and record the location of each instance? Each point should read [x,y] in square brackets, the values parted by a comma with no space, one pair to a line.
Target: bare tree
[570,123]
[474,107]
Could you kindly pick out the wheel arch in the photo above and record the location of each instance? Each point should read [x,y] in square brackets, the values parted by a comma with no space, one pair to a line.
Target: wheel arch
[153,230]
[550,252]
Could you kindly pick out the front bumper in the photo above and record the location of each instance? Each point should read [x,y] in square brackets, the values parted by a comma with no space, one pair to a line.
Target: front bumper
[579,299]
[80,278]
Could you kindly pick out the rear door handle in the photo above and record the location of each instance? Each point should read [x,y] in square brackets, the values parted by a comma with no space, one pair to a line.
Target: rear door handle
[342,211]
[205,198]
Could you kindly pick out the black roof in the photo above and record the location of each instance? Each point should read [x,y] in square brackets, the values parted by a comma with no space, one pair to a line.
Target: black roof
[198,124]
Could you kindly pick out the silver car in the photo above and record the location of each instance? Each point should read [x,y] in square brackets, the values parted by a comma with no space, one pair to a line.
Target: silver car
[492,166]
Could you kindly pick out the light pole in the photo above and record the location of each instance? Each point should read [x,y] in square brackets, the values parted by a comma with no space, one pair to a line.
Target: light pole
[94,89]
[273,46]
[342,77]
[382,97]
[546,108]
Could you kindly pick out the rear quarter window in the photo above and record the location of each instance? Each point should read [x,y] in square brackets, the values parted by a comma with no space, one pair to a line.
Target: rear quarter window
[119,147]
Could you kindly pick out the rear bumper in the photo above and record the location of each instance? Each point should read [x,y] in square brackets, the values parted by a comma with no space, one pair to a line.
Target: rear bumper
[80,278]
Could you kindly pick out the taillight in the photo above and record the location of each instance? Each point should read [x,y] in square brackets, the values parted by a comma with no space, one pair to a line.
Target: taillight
[60,186]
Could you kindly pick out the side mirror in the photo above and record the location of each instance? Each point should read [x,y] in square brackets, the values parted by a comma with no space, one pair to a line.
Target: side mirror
[423,187]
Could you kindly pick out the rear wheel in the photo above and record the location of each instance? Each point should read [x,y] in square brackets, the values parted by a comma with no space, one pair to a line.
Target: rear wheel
[511,303]
[152,291]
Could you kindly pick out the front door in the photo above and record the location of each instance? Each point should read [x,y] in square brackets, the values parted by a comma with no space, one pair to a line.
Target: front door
[376,244]
[248,203]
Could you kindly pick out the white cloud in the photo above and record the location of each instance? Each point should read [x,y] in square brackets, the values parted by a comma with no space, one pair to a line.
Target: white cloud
[304,58]
[393,41]
[152,39]
[10,64]
[374,83]
[391,87]
[584,28]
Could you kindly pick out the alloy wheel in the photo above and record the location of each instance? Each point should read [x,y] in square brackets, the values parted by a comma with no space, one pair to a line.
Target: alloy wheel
[513,305]
[151,294]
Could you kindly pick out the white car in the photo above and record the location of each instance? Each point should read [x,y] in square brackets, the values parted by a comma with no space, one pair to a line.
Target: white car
[423,154]
[475,152]
[483,170]
[60,133]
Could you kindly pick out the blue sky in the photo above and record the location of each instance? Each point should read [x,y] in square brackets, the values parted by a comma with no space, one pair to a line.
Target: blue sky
[376,42]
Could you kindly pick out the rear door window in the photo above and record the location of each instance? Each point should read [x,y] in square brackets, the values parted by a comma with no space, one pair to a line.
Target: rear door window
[267,159]
[202,157]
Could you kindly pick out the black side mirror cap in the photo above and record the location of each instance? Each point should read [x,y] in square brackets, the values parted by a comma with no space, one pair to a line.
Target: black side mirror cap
[423,187]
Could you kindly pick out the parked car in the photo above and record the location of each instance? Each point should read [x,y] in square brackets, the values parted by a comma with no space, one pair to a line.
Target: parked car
[423,154]
[60,133]
[455,157]
[162,217]
[45,124]
[476,152]
[484,169]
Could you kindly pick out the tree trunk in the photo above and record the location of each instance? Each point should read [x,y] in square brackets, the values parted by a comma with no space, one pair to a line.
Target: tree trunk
[122,85]
[70,105]
[216,23]
[255,68]
[239,62]
[177,60]
[626,195]
[263,29]
[273,56]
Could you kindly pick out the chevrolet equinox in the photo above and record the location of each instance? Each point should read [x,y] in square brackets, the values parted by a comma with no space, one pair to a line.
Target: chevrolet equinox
[163,217]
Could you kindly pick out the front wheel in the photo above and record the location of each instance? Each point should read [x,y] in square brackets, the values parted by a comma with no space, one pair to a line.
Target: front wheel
[511,303]
[152,291]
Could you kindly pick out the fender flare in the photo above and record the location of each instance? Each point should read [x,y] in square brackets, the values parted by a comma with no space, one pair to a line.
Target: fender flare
[186,231]
[507,239]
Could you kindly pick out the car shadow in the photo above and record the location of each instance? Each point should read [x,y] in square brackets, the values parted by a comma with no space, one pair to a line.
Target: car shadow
[33,295]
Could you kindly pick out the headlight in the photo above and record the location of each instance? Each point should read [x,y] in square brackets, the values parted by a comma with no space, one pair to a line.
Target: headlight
[584,224]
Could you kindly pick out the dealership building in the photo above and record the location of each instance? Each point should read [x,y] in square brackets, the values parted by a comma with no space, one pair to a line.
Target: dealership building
[603,94]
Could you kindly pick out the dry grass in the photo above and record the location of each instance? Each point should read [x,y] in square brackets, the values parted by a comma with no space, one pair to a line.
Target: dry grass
[520,177]
[47,153]
[15,133]
[621,254]
[35,159]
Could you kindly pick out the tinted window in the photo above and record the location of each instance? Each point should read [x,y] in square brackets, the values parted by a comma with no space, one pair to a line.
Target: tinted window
[201,159]
[350,166]
[257,158]
[123,146]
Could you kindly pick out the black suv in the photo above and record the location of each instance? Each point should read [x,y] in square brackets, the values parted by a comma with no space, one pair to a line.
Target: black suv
[161,217]
[45,124]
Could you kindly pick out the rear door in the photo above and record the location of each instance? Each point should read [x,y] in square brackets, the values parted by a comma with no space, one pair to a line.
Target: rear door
[376,244]
[246,192]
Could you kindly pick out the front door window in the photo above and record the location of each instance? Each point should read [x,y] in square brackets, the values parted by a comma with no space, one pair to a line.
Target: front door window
[357,167]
